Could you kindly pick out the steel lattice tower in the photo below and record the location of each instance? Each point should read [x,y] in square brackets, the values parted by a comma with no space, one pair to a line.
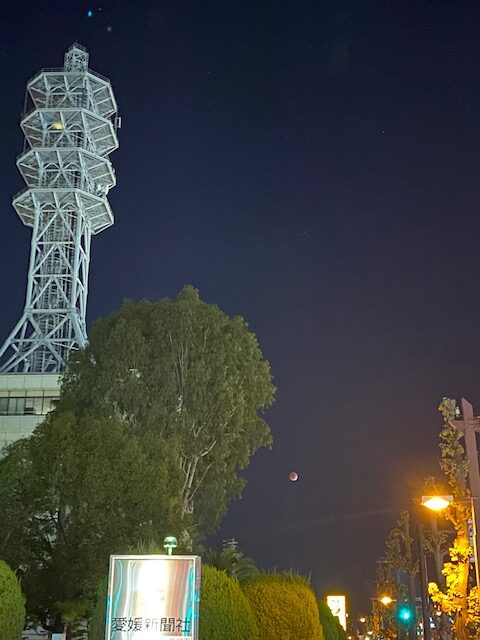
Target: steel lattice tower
[69,132]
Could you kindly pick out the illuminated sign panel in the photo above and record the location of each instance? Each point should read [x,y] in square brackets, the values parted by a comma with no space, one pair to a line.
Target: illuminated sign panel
[338,606]
[153,598]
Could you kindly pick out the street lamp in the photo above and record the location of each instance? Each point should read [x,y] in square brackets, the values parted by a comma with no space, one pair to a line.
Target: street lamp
[169,544]
[437,503]
[386,600]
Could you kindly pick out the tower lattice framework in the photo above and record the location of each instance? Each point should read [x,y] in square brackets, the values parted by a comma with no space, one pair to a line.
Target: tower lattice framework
[70,132]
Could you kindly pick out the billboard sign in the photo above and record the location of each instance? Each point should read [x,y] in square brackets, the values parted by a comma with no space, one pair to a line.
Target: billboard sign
[153,597]
[338,606]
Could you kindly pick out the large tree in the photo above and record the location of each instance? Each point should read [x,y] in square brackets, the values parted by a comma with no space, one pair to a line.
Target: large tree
[156,418]
[183,370]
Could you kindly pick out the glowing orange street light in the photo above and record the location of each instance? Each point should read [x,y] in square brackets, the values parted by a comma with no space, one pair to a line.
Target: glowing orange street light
[386,600]
[437,503]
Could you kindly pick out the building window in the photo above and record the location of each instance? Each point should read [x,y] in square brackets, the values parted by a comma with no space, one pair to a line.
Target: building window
[13,404]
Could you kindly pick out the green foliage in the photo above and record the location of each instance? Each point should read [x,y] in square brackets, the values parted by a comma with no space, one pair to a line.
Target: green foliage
[72,610]
[184,371]
[224,610]
[473,613]
[96,623]
[285,607]
[453,599]
[85,488]
[332,629]
[453,459]
[12,605]
[233,562]
[398,557]
[341,633]
[398,547]
[156,418]
[73,615]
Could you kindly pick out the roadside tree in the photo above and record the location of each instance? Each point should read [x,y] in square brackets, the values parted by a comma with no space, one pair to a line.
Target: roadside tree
[186,372]
[454,600]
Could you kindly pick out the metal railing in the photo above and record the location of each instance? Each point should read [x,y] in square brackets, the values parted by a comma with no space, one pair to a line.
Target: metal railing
[62,70]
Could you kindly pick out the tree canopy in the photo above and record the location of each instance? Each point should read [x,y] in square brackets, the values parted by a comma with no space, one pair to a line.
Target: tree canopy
[78,490]
[456,599]
[183,370]
[156,418]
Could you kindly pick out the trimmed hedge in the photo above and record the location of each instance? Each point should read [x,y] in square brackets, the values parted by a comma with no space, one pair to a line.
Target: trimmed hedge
[284,606]
[12,605]
[224,610]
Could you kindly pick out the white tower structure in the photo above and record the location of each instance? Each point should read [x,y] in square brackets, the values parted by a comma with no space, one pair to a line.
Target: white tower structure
[70,130]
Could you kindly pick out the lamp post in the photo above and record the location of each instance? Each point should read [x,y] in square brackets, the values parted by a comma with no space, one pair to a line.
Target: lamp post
[377,611]
[468,425]
[422,565]
[169,544]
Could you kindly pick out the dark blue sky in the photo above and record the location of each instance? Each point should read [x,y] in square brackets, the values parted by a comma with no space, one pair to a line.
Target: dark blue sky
[314,167]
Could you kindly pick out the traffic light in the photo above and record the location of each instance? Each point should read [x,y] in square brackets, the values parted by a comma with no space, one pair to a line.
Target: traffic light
[405,614]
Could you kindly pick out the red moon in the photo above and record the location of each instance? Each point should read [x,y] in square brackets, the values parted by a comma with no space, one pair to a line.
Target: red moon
[293,475]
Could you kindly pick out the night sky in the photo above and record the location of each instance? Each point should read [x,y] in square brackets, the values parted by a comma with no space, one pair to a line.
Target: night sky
[313,167]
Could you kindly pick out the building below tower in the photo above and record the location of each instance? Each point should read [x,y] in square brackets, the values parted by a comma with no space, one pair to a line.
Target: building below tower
[25,399]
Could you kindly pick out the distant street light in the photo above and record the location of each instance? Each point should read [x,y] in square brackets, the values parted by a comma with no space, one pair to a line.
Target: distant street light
[386,600]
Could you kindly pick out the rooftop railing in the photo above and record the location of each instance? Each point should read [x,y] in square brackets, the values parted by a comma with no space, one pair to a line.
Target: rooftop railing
[65,71]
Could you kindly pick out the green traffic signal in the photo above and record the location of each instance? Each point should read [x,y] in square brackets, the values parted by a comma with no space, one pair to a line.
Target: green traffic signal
[405,614]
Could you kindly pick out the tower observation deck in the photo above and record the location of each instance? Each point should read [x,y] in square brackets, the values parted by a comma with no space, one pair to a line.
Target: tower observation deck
[69,131]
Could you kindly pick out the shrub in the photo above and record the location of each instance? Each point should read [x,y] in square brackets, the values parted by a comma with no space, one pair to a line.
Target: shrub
[12,605]
[332,629]
[284,606]
[224,610]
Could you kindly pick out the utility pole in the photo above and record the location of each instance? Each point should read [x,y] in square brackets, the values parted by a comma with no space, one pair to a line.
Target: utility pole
[422,564]
[468,425]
